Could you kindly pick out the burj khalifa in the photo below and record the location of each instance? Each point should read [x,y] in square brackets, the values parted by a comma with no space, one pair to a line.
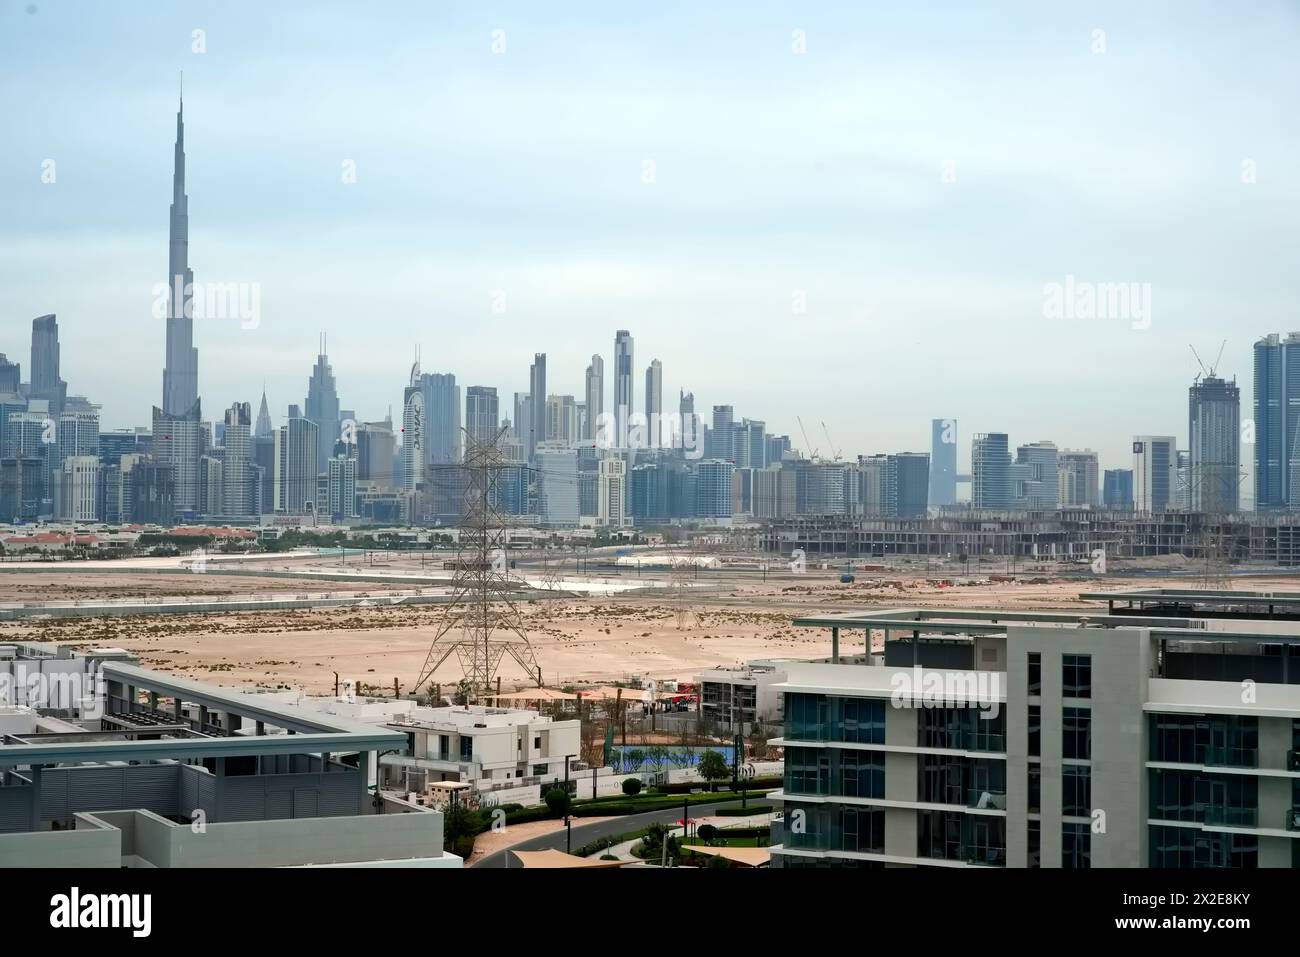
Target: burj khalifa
[181,371]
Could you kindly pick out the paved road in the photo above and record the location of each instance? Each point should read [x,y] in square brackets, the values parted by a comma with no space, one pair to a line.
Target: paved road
[587,833]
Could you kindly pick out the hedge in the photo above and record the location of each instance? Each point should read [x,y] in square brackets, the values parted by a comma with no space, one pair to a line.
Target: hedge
[738,811]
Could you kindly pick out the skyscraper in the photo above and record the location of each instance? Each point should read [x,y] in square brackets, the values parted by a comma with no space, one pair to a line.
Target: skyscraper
[1214,421]
[413,432]
[1079,478]
[1155,461]
[46,383]
[442,436]
[1277,416]
[1117,488]
[622,376]
[178,442]
[990,471]
[181,371]
[322,407]
[1035,477]
[943,461]
[595,397]
[536,426]
[295,466]
[11,376]
[264,429]
[482,414]
[238,476]
[654,389]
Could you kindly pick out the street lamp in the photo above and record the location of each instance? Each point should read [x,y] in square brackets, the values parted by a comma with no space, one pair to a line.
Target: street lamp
[568,828]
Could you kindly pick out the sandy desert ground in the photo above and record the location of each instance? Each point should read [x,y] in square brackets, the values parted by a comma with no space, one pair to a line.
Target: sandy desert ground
[738,618]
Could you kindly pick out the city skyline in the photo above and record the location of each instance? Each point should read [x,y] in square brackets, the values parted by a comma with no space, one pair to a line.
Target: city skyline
[657,296]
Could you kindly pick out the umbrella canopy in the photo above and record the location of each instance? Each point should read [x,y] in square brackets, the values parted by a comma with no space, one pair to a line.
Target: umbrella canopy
[748,856]
[535,694]
[553,858]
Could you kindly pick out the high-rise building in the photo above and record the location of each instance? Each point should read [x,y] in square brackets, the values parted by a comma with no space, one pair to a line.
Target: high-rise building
[178,442]
[1277,418]
[152,493]
[649,493]
[1117,488]
[322,407]
[442,410]
[295,466]
[750,444]
[990,471]
[482,415]
[264,429]
[943,462]
[713,489]
[721,440]
[557,485]
[654,390]
[1214,441]
[376,450]
[773,492]
[117,443]
[238,490]
[79,496]
[623,405]
[561,420]
[11,376]
[413,456]
[908,489]
[1155,464]
[595,397]
[536,424]
[1035,479]
[181,371]
[341,490]
[611,493]
[46,383]
[1080,485]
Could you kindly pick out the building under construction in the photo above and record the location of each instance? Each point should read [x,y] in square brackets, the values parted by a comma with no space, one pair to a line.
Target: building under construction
[1056,535]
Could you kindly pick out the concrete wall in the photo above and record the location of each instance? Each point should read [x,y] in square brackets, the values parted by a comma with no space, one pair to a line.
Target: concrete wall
[90,845]
[1121,667]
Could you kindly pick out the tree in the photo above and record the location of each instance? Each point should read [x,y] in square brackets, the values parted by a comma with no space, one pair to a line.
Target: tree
[657,754]
[631,786]
[706,832]
[633,759]
[558,801]
[713,768]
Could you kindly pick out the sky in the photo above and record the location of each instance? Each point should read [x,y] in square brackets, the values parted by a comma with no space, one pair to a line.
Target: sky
[850,213]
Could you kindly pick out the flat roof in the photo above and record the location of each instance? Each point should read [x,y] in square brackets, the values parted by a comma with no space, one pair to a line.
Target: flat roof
[1287,599]
[984,621]
[314,732]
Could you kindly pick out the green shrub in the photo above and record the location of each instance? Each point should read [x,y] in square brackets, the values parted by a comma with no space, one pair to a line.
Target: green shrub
[706,832]
[735,810]
[631,786]
[558,801]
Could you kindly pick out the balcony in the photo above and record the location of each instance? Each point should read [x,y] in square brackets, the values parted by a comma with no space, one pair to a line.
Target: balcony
[986,857]
[984,799]
[1229,816]
[1293,760]
[1293,819]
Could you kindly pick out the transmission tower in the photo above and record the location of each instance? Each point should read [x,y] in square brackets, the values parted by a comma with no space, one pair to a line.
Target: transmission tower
[683,570]
[482,624]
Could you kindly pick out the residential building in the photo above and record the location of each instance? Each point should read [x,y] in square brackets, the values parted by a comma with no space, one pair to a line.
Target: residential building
[1080,479]
[1214,431]
[991,485]
[1108,738]
[943,462]
[1155,466]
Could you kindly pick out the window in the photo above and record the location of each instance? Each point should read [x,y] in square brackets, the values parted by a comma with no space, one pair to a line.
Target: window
[1227,740]
[1076,734]
[1035,730]
[1076,846]
[1076,676]
[537,743]
[1035,673]
[1076,790]
[539,769]
[1035,788]
[1189,847]
[1035,844]
[466,748]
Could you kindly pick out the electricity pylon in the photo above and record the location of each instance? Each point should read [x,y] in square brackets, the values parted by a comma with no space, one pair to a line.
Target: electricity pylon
[482,624]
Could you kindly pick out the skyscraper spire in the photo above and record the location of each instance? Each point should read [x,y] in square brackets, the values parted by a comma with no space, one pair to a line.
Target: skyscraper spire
[181,368]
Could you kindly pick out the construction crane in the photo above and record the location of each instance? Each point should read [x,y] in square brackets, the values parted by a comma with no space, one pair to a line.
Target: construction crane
[1209,373]
[812,454]
[830,443]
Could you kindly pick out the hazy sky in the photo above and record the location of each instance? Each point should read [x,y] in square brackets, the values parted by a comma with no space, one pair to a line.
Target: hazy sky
[915,177]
